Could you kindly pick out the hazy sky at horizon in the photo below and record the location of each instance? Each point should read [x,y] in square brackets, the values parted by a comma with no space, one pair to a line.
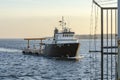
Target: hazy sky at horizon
[37,18]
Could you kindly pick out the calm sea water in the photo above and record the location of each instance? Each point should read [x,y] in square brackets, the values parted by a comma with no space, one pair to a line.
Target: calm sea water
[16,66]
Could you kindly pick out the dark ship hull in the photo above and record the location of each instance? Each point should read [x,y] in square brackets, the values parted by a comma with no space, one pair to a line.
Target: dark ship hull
[62,50]
[62,45]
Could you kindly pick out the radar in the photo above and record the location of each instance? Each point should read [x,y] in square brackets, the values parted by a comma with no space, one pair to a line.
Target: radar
[55,31]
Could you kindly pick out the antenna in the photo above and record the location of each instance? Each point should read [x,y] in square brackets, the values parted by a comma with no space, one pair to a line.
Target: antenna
[62,23]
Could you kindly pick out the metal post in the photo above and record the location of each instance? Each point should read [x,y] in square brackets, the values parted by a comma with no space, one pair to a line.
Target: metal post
[28,46]
[107,43]
[116,44]
[118,19]
[101,44]
[118,65]
[40,46]
[111,42]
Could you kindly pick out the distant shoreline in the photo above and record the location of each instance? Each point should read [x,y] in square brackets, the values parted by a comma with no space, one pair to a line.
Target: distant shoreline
[98,36]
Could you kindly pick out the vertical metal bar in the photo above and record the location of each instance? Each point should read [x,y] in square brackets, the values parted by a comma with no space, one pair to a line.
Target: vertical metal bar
[107,42]
[28,45]
[95,42]
[111,42]
[118,19]
[40,46]
[101,44]
[115,43]
[118,66]
[90,39]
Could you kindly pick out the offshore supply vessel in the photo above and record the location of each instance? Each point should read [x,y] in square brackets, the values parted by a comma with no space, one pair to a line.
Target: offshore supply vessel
[62,44]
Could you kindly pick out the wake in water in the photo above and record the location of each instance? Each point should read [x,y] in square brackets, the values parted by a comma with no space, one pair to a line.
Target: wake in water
[68,58]
[9,50]
[77,57]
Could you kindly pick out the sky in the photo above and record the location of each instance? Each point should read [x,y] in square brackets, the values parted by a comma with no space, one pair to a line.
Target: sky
[38,18]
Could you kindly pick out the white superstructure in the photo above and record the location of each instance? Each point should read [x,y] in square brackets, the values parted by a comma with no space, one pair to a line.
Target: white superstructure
[62,36]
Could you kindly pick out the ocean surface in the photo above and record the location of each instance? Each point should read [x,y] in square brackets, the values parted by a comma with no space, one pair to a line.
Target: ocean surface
[16,66]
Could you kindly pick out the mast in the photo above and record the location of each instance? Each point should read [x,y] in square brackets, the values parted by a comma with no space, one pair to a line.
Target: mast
[62,23]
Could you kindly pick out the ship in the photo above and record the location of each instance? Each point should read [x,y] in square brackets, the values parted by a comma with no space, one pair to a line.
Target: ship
[62,44]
